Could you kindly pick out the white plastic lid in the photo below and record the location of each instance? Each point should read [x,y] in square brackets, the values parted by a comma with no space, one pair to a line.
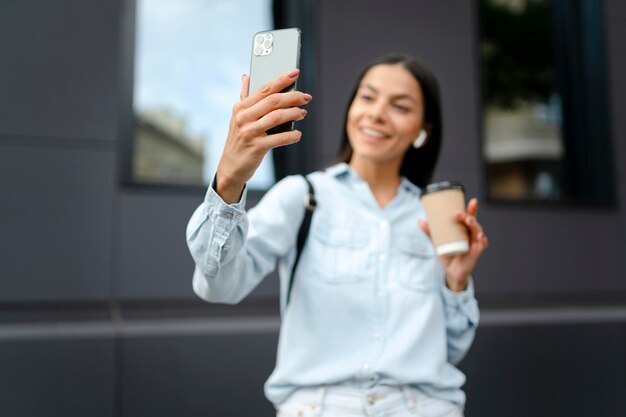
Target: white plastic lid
[453,248]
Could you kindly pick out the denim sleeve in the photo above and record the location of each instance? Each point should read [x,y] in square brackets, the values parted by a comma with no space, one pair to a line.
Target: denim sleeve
[234,250]
[462,317]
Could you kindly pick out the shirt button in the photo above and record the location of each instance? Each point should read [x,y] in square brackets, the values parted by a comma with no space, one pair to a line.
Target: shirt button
[383,224]
[380,294]
[366,366]
[382,257]
[228,215]
[376,335]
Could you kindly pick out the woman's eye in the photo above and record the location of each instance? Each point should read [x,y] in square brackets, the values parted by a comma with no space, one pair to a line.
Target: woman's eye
[367,98]
[403,109]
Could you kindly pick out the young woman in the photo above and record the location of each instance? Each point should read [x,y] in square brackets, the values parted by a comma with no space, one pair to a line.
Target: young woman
[375,321]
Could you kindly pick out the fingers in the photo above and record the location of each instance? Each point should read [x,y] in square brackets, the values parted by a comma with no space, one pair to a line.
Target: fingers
[274,86]
[477,236]
[267,107]
[278,117]
[478,240]
[274,102]
[472,207]
[470,222]
[282,139]
[245,85]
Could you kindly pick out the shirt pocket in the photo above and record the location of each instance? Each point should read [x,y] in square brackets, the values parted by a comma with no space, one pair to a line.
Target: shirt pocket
[417,263]
[341,253]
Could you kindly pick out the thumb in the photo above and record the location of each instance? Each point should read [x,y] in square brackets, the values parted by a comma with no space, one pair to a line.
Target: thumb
[424,226]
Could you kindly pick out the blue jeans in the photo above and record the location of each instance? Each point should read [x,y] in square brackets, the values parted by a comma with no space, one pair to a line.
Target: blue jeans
[383,401]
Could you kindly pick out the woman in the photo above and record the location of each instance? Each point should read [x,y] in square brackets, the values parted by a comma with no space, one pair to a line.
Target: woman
[375,322]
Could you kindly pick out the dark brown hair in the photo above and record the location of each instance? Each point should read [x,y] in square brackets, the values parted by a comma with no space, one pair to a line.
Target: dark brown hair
[418,164]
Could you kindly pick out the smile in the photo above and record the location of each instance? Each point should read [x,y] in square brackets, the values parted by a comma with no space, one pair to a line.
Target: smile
[373,133]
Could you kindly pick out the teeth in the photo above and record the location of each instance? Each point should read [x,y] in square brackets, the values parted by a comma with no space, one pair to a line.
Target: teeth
[371,132]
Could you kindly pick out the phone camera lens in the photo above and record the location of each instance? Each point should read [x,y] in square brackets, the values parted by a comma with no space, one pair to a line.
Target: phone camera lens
[258,50]
[268,43]
[259,39]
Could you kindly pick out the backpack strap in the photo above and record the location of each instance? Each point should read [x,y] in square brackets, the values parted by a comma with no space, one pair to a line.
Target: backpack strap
[309,206]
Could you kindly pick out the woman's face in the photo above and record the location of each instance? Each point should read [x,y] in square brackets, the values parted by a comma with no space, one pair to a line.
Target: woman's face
[385,116]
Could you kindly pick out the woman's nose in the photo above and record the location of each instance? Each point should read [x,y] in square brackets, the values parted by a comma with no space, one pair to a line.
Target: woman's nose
[376,111]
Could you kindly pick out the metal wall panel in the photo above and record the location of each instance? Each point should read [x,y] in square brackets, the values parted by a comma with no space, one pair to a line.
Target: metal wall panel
[211,375]
[52,378]
[557,370]
[59,69]
[55,218]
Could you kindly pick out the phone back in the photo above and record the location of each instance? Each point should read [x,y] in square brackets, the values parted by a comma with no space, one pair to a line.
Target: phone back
[274,52]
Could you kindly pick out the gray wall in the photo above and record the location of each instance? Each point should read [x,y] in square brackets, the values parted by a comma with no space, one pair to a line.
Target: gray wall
[97,316]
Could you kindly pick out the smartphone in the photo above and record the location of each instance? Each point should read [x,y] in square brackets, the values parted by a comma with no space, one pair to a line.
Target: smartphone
[274,52]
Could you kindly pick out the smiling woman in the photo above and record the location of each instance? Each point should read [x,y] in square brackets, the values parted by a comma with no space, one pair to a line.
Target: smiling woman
[385,117]
[185,54]
[374,322]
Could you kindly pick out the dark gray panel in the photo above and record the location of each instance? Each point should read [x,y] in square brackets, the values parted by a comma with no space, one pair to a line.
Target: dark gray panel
[55,219]
[59,68]
[615,9]
[57,378]
[153,259]
[219,375]
[556,371]
[151,250]
[552,251]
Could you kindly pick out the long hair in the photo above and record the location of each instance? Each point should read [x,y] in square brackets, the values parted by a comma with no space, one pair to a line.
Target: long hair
[418,164]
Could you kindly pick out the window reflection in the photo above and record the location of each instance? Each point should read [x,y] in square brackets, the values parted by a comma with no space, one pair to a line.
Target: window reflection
[545,101]
[189,57]
[523,144]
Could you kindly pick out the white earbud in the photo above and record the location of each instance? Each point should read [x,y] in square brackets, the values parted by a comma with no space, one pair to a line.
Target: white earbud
[421,139]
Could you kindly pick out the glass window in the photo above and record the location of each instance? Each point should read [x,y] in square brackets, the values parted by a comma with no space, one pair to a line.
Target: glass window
[189,58]
[543,87]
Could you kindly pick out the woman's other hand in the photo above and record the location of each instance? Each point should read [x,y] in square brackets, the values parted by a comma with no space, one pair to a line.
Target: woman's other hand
[247,143]
[459,267]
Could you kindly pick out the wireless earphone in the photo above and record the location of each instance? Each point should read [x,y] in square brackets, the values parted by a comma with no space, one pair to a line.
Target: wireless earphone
[421,139]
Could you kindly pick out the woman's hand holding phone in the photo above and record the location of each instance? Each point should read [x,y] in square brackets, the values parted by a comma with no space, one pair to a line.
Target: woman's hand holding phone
[247,141]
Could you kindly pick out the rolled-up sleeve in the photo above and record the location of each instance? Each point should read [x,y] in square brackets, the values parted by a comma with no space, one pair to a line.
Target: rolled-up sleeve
[234,250]
[462,317]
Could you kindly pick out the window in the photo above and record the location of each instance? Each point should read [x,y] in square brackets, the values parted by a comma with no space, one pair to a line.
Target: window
[188,61]
[545,108]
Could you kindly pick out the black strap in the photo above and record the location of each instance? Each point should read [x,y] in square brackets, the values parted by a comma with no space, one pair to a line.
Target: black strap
[309,206]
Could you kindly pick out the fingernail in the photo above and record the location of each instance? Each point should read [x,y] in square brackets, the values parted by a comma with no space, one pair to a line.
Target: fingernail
[304,113]
[242,75]
[293,73]
[307,97]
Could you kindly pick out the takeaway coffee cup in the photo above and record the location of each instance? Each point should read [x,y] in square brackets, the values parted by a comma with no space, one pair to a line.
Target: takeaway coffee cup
[442,201]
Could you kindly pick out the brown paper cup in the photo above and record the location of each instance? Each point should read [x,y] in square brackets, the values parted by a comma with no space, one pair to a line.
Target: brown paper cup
[441,201]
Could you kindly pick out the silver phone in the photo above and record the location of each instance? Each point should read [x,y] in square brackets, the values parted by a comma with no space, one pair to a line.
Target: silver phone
[274,52]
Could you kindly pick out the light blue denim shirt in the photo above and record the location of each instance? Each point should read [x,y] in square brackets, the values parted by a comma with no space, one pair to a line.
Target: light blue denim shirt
[368,306]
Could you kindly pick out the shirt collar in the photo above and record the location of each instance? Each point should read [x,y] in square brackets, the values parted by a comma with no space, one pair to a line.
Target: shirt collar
[342,169]
[339,169]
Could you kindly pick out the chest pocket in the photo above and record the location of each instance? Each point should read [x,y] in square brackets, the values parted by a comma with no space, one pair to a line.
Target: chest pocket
[417,263]
[340,252]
